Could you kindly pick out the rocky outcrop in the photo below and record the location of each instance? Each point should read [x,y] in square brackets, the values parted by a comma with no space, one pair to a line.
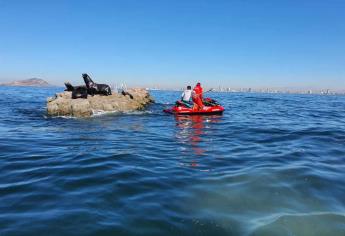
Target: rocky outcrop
[63,104]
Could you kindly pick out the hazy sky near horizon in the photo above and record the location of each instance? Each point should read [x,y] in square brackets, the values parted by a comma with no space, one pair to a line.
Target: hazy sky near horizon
[171,43]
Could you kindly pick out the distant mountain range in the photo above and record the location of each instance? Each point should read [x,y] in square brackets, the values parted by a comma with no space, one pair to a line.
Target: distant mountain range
[34,82]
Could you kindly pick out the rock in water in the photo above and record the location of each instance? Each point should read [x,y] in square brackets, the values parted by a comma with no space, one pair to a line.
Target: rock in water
[63,104]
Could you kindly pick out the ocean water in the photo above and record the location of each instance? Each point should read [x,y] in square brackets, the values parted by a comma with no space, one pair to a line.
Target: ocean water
[272,164]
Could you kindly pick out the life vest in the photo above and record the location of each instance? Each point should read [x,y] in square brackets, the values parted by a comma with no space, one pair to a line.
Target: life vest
[197,91]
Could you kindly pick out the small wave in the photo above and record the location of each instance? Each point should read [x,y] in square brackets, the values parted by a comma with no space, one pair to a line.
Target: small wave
[97,113]
[59,117]
[102,112]
[315,223]
[145,112]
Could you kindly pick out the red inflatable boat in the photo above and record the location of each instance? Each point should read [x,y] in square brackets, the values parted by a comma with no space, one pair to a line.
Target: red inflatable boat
[211,107]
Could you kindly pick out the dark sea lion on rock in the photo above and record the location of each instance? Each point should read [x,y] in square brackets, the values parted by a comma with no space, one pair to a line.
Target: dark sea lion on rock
[127,93]
[77,91]
[93,88]
[69,87]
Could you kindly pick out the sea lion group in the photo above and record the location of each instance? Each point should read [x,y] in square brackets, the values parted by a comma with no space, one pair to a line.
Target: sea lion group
[90,88]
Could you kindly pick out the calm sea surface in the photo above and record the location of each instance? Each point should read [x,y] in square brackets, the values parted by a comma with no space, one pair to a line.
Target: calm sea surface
[271,165]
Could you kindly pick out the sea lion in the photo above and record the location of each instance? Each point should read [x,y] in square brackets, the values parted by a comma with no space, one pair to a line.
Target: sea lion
[69,87]
[77,91]
[93,88]
[127,93]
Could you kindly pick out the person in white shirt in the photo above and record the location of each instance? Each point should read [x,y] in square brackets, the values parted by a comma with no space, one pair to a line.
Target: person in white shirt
[187,95]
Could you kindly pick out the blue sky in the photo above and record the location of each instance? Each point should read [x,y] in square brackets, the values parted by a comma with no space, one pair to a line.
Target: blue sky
[170,43]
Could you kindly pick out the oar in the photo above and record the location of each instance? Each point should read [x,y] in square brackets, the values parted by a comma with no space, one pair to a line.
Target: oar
[209,103]
[210,90]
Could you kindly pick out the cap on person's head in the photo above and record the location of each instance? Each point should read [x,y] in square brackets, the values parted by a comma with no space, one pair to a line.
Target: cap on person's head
[189,87]
[198,84]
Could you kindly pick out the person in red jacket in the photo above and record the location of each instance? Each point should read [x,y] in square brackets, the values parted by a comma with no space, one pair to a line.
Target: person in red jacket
[197,97]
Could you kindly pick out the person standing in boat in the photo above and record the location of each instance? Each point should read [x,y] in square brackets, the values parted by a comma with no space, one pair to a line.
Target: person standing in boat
[197,97]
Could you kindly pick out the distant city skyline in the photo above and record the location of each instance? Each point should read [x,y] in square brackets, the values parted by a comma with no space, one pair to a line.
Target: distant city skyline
[170,44]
